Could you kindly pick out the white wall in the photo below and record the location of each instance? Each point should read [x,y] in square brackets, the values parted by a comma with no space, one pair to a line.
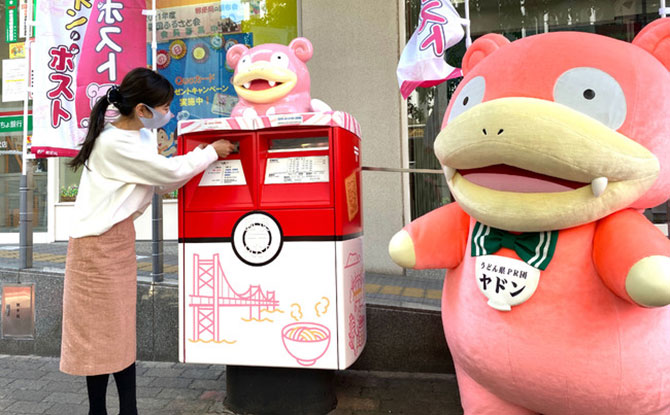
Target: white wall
[356,49]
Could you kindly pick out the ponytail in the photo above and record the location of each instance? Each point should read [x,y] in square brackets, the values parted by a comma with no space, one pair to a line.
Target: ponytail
[96,123]
[139,86]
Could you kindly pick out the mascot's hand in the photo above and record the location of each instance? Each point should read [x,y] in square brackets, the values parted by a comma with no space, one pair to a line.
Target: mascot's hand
[648,281]
[401,249]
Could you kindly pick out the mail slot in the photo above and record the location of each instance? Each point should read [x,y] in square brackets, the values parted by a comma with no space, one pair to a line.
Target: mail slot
[270,244]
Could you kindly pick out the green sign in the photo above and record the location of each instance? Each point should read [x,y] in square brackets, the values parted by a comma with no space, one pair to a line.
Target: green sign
[14,124]
[11,21]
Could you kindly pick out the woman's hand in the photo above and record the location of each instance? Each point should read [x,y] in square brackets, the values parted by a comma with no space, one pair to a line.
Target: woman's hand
[223,147]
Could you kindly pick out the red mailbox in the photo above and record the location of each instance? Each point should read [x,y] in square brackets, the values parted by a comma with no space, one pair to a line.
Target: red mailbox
[270,244]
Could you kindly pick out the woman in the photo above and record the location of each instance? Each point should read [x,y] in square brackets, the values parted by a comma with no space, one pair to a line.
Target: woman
[121,171]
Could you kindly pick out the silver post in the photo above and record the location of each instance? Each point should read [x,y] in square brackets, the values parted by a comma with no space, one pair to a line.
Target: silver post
[157,203]
[157,238]
[26,220]
[26,183]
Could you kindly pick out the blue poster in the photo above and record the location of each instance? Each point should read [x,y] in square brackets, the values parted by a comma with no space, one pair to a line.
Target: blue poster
[197,69]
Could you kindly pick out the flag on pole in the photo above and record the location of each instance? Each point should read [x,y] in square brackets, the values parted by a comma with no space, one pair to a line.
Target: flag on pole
[81,48]
[422,62]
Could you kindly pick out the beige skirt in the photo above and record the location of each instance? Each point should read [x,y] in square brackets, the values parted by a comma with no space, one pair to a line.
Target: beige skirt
[99,302]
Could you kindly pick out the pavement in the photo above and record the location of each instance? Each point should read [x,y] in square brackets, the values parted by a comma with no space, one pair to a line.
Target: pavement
[34,385]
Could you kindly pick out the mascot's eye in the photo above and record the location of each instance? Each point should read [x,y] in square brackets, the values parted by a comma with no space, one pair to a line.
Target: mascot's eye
[471,94]
[592,92]
[244,64]
[279,59]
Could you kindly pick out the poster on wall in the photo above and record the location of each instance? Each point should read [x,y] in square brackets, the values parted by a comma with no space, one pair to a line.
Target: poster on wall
[203,81]
[14,80]
[76,58]
[194,20]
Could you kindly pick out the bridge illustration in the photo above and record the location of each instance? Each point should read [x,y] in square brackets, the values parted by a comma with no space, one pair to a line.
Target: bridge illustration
[212,291]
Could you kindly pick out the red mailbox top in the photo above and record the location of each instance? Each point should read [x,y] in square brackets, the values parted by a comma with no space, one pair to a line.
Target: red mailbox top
[301,169]
[329,118]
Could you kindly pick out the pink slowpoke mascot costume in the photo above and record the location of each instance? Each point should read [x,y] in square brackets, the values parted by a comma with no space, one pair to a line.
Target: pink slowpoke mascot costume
[555,299]
[273,79]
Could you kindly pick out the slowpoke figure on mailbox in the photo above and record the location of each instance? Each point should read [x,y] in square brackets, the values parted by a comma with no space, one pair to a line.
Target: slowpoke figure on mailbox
[271,266]
[273,79]
[556,296]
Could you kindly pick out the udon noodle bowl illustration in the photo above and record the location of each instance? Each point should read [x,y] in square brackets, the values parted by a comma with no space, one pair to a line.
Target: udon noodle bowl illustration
[306,342]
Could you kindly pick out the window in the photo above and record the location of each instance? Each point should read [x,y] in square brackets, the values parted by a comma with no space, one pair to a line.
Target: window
[514,19]
[193,37]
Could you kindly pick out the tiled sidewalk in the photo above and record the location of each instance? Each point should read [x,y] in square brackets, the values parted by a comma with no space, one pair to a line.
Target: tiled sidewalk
[34,385]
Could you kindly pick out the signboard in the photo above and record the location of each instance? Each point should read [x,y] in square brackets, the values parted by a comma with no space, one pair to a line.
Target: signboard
[224,173]
[297,170]
[186,21]
[202,80]
[14,123]
[14,80]
[18,311]
[11,21]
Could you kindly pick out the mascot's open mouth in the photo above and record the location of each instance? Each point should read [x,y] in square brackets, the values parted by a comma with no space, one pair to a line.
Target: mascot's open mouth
[550,167]
[511,179]
[261,84]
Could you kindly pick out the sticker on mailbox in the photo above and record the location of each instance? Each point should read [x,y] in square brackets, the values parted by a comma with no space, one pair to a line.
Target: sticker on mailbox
[297,170]
[223,173]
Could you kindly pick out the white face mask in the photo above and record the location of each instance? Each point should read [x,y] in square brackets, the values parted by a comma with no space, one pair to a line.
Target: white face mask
[159,119]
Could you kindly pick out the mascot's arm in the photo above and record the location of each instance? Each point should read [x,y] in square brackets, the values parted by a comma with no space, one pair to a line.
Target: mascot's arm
[633,258]
[435,240]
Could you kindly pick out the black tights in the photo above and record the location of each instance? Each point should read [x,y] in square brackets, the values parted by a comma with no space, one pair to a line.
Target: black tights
[125,384]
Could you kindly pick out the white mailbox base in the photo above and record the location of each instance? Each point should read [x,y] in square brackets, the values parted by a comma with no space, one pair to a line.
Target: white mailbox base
[306,308]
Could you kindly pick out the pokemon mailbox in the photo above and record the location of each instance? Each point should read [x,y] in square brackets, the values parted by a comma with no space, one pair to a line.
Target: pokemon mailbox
[270,243]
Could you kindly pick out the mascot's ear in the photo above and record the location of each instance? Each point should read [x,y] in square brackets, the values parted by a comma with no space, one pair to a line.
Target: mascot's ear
[235,53]
[302,48]
[655,39]
[481,48]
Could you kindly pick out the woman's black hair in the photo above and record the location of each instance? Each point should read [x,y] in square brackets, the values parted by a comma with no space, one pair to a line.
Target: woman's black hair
[139,86]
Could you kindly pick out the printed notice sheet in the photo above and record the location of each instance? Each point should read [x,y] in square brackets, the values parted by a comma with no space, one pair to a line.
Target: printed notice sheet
[297,170]
[224,173]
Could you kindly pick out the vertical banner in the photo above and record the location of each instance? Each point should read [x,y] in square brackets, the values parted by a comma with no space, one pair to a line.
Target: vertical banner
[81,48]
[422,62]
[115,43]
[55,56]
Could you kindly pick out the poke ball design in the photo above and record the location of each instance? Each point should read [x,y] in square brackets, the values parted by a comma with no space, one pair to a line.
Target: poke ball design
[178,49]
[200,53]
[257,239]
[162,59]
[216,42]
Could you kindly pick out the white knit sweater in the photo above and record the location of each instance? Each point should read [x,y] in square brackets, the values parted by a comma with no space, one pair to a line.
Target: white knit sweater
[124,170]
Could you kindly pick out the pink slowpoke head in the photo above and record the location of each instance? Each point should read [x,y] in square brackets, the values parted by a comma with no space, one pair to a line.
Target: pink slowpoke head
[559,129]
[271,78]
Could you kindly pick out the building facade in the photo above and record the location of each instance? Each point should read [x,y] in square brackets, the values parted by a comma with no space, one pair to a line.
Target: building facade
[357,45]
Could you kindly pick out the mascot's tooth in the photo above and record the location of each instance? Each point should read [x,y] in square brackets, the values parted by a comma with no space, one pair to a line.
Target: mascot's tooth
[247,85]
[272,83]
[448,172]
[598,186]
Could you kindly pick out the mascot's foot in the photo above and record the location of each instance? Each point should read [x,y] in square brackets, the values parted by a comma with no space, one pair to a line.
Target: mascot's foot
[476,400]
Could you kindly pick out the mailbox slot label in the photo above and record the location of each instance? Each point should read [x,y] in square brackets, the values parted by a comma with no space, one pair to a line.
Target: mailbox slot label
[297,170]
[224,173]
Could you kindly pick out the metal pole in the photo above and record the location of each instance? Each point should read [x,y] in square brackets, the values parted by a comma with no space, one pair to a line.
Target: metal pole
[468,38]
[26,182]
[157,273]
[663,11]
